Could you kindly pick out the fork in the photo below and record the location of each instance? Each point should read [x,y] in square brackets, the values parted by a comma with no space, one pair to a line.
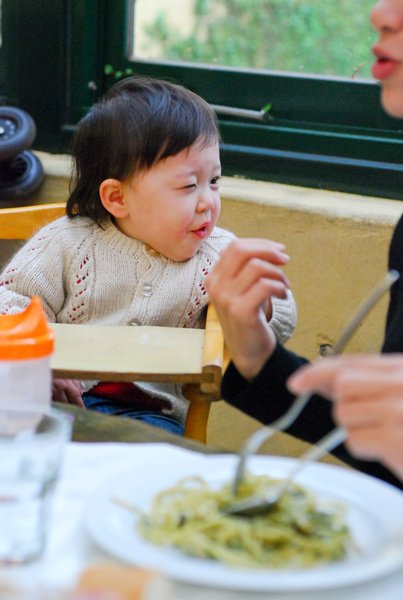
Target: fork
[255,505]
[260,436]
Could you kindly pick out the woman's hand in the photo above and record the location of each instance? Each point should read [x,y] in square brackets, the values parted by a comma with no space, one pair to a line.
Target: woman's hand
[67,391]
[246,275]
[368,395]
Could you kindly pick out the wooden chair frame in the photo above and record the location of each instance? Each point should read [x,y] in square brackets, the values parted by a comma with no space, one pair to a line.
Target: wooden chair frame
[204,349]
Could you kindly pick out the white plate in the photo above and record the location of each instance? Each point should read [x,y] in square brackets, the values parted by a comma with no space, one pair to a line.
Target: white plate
[375,512]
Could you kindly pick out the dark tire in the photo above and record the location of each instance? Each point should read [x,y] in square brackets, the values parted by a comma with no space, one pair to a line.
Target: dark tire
[17,131]
[20,177]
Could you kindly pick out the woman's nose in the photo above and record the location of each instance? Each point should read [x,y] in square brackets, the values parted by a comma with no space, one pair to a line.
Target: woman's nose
[387,15]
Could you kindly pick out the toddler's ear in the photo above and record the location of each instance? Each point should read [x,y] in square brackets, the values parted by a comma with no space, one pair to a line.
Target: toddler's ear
[112,197]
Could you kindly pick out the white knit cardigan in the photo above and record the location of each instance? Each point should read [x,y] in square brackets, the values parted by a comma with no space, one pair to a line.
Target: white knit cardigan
[85,273]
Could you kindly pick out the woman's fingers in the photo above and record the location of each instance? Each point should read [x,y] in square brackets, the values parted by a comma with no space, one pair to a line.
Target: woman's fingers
[242,250]
[375,442]
[368,394]
[241,281]
[366,372]
[245,259]
[316,377]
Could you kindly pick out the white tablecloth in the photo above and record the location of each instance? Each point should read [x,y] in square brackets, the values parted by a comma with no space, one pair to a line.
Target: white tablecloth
[86,467]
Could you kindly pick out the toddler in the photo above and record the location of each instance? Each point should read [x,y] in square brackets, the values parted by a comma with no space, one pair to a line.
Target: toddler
[139,237]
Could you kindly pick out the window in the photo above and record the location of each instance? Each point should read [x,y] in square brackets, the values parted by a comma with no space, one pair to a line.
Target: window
[310,116]
[300,36]
[325,126]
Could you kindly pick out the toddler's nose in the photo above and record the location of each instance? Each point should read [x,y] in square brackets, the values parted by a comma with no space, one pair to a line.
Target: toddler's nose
[206,200]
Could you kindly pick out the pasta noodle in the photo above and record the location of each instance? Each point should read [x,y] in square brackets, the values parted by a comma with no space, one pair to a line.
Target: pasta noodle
[294,534]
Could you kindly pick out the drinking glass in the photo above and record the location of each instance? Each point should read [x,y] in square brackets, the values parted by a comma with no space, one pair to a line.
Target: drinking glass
[32,441]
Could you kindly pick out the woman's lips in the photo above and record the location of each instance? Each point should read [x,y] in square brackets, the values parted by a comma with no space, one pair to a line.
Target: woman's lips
[383,67]
[384,64]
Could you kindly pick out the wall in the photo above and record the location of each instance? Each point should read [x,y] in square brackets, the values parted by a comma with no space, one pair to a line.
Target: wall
[338,245]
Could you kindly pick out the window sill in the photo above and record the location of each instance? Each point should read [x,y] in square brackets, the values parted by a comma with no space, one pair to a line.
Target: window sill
[323,202]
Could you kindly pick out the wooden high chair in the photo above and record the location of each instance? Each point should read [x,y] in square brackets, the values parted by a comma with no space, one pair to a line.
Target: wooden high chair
[191,357]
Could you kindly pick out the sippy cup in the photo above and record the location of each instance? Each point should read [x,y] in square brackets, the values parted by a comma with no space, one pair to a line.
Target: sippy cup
[26,345]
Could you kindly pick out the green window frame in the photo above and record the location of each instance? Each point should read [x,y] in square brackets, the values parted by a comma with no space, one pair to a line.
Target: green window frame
[323,132]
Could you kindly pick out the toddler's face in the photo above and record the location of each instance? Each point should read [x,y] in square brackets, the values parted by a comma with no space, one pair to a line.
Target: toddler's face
[387,18]
[175,205]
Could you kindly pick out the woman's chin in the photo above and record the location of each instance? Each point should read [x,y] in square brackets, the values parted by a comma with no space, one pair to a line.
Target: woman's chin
[392,100]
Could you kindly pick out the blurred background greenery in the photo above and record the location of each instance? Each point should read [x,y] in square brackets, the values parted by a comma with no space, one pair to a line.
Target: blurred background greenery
[326,37]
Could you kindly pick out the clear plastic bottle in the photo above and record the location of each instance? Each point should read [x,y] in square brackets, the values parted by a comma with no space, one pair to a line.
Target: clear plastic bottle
[26,346]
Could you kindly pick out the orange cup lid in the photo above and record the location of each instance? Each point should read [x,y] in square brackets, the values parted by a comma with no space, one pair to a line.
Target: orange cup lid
[26,334]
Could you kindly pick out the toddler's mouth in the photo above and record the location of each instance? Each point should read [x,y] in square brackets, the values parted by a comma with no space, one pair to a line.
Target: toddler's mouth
[202,231]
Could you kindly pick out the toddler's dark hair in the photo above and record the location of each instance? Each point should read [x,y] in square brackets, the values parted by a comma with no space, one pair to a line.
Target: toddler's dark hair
[138,122]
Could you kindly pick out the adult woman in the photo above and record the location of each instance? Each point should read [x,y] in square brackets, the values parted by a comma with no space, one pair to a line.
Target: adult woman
[249,270]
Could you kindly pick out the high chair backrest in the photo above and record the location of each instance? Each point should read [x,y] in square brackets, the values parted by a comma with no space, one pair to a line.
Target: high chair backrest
[201,382]
[21,222]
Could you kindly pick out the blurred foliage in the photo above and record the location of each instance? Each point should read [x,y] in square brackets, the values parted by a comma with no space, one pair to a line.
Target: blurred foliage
[311,36]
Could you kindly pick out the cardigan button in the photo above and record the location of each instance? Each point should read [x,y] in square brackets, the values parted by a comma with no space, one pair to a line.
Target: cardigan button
[147,289]
[135,322]
[152,251]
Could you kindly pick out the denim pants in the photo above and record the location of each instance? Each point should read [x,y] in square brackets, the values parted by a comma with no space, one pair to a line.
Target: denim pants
[110,407]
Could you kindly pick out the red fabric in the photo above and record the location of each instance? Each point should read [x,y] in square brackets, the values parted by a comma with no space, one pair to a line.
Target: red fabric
[115,390]
[128,393]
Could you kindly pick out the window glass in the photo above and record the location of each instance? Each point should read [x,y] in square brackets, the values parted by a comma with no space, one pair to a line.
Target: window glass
[324,37]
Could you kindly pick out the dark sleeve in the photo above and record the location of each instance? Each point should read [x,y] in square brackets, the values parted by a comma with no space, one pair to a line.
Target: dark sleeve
[252,397]
[266,398]
[393,341]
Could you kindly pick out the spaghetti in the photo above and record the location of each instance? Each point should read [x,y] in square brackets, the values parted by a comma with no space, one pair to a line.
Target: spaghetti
[294,534]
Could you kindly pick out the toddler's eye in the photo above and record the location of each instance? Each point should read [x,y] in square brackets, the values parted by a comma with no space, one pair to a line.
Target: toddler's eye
[215,180]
